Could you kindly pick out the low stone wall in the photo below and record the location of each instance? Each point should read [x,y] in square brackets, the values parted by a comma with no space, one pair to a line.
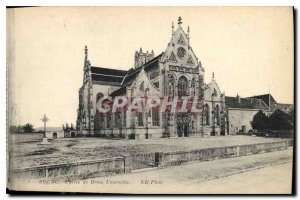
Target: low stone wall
[167,159]
[119,165]
[79,170]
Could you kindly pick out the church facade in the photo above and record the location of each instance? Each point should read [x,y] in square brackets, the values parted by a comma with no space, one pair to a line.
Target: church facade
[175,72]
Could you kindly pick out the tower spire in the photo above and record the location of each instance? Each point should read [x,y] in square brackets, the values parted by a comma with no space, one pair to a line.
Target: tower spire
[86,53]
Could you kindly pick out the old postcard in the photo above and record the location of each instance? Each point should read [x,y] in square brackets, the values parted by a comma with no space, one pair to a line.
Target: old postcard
[150,100]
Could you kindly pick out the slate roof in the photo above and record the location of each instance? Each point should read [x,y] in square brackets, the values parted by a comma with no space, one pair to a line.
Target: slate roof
[107,71]
[246,103]
[267,98]
[118,92]
[99,77]
[122,77]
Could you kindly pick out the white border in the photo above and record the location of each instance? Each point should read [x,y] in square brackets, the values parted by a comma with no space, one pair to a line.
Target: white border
[5,3]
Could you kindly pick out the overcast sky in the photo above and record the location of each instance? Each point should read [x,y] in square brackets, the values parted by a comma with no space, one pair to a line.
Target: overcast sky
[249,49]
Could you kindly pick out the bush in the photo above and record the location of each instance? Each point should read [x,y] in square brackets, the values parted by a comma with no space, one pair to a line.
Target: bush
[280,120]
[260,121]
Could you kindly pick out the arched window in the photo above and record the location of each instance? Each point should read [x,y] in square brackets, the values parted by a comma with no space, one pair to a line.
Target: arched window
[155,116]
[118,121]
[215,92]
[217,115]
[142,86]
[206,115]
[193,87]
[183,86]
[108,120]
[140,119]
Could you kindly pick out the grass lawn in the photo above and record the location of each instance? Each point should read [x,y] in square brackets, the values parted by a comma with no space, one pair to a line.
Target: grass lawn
[30,153]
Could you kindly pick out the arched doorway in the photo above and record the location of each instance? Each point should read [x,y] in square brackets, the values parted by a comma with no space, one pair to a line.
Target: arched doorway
[54,135]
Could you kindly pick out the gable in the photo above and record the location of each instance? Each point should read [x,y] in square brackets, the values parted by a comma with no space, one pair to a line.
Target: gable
[181,40]
[179,50]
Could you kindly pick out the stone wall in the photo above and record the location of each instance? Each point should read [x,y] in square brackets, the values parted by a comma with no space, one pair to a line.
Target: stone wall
[126,164]
[179,157]
[77,170]
[238,118]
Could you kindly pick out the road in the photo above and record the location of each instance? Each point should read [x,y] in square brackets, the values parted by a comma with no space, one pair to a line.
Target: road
[260,173]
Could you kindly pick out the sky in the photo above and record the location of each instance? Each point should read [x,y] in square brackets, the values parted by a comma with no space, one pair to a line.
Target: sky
[250,50]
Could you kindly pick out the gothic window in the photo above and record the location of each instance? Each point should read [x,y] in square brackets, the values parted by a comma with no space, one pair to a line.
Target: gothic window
[102,122]
[155,116]
[118,121]
[217,115]
[193,87]
[215,92]
[140,119]
[171,85]
[142,86]
[183,86]
[181,52]
[108,120]
[124,118]
[156,84]
[206,115]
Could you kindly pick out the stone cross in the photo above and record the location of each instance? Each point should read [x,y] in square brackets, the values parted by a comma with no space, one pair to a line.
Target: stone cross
[45,120]
[179,20]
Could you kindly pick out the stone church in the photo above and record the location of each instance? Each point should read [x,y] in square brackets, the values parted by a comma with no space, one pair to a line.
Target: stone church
[175,72]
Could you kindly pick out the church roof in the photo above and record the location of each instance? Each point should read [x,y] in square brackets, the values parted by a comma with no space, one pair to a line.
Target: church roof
[267,98]
[246,103]
[100,77]
[118,92]
[124,78]
[108,71]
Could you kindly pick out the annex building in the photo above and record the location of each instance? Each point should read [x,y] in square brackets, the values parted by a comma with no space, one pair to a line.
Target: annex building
[177,71]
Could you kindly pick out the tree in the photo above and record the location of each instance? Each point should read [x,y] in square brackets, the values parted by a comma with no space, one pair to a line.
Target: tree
[28,128]
[15,129]
[260,121]
[291,114]
[279,120]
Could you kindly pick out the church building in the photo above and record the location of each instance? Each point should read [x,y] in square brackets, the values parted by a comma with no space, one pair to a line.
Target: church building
[177,71]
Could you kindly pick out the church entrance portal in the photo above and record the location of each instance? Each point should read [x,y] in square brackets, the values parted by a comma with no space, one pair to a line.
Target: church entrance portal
[54,135]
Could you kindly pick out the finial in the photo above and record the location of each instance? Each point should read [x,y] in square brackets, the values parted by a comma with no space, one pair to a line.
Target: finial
[179,20]
[86,52]
[172,28]
[152,52]
[188,32]
[213,75]
[188,29]
[141,50]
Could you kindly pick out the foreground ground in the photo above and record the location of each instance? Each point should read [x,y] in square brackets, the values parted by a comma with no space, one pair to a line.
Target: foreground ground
[260,173]
[28,152]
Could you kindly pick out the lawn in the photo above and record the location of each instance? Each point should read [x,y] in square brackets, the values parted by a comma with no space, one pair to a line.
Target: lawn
[30,153]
